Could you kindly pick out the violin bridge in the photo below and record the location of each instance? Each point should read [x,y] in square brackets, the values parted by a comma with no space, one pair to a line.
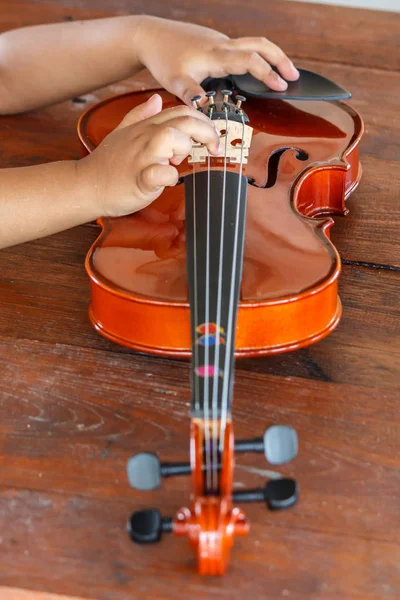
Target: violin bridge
[235,138]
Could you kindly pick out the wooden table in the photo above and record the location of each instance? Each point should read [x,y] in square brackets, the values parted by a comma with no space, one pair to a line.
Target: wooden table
[73,406]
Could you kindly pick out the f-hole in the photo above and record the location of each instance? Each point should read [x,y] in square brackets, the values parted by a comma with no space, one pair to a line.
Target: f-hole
[273,165]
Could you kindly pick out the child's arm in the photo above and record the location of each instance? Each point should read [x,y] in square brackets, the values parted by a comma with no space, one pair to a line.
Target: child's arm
[44,64]
[50,63]
[128,170]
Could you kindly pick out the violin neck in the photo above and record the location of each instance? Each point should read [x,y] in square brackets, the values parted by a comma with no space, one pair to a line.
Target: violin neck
[215,220]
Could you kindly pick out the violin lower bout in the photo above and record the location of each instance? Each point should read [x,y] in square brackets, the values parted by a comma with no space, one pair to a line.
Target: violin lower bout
[263,328]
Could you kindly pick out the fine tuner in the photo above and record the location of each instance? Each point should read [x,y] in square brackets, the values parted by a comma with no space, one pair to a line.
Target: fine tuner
[225,104]
[232,123]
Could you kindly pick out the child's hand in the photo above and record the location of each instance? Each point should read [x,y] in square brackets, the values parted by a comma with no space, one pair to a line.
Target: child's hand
[135,162]
[180,56]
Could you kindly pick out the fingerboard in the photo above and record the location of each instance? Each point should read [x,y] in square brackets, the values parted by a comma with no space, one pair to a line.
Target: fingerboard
[215,218]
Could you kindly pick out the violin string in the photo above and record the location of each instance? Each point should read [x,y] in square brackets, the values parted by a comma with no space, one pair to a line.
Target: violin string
[227,381]
[196,347]
[218,318]
[195,308]
[207,352]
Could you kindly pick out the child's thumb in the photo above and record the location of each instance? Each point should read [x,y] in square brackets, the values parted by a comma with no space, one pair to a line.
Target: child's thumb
[143,111]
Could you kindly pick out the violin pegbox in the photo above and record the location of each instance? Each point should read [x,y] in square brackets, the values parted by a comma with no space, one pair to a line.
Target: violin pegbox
[279,444]
[231,122]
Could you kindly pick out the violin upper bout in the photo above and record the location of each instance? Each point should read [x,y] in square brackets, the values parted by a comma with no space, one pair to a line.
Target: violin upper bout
[211,526]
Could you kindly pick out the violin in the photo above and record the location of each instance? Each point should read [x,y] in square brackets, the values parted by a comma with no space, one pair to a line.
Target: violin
[234,261]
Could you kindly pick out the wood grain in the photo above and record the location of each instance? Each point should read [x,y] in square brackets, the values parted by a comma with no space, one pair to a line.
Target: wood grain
[276,559]
[74,407]
[79,414]
[327,33]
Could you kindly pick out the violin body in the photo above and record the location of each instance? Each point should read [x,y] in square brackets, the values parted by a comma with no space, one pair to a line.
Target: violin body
[304,164]
[233,261]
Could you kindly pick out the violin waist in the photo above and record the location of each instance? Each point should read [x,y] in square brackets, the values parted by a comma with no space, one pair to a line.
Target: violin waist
[139,296]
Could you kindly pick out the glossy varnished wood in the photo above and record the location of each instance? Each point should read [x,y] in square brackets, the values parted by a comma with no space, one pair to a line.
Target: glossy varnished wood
[288,298]
[73,406]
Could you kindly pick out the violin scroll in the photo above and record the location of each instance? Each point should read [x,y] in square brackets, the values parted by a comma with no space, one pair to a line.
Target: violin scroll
[213,520]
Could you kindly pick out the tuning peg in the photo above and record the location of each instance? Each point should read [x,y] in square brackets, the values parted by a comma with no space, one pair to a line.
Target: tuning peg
[278,494]
[279,444]
[144,470]
[281,493]
[147,526]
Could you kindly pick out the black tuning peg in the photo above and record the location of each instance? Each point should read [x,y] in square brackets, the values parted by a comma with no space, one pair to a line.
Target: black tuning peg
[279,444]
[278,494]
[147,526]
[144,470]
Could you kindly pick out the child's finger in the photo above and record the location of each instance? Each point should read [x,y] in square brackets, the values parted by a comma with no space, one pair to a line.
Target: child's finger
[271,53]
[144,111]
[238,62]
[185,87]
[178,159]
[174,139]
[179,111]
[166,143]
[156,176]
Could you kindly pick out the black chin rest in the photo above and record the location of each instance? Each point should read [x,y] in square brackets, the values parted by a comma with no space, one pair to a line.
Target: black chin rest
[309,86]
